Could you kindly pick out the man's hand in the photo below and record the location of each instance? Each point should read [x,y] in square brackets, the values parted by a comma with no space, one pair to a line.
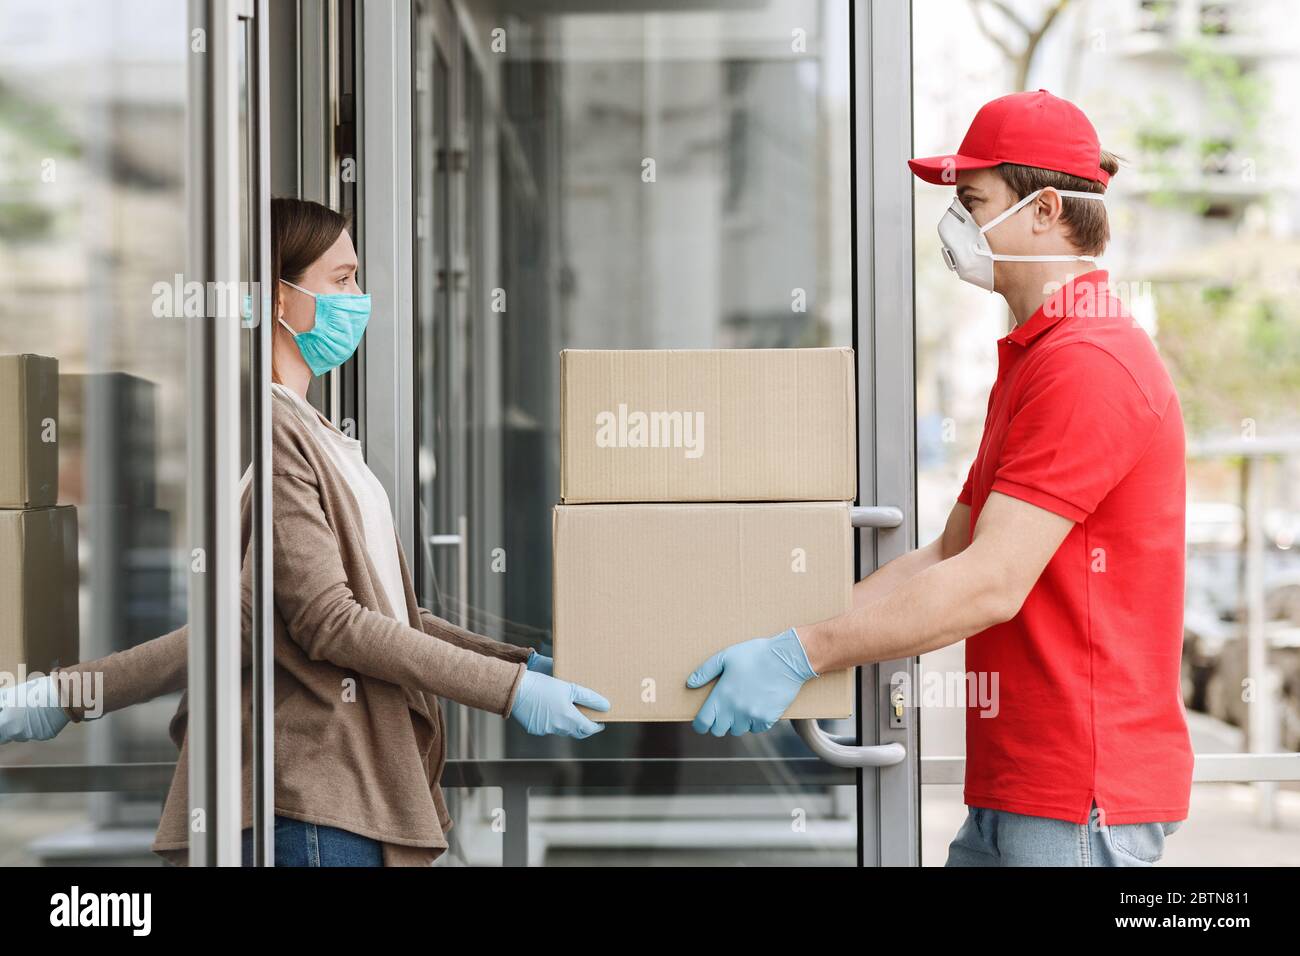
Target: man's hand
[757,681]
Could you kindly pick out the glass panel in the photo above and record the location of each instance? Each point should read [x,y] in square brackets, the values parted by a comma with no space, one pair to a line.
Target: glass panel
[92,245]
[1206,249]
[563,245]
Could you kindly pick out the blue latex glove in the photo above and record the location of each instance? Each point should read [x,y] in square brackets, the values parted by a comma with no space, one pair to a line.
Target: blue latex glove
[757,681]
[540,663]
[544,705]
[30,711]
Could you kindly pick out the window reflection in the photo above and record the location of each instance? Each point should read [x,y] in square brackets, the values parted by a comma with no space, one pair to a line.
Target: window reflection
[92,134]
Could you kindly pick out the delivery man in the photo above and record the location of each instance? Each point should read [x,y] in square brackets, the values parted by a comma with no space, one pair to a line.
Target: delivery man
[1062,560]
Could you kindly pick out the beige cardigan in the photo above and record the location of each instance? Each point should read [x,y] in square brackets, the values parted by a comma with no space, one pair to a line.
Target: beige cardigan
[359,736]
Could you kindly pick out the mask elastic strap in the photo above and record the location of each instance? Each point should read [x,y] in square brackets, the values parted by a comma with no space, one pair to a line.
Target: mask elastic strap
[1071,193]
[1011,210]
[1000,258]
[287,326]
[299,288]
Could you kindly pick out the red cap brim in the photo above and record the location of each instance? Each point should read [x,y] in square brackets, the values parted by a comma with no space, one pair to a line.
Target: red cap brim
[942,170]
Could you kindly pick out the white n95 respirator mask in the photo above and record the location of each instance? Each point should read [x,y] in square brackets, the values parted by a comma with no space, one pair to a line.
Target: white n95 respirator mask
[966,250]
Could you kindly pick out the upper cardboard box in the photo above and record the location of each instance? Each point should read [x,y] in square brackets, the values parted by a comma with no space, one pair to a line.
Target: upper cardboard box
[29,412]
[707,425]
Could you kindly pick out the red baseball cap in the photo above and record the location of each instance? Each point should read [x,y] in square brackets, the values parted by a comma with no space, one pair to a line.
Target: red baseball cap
[1031,129]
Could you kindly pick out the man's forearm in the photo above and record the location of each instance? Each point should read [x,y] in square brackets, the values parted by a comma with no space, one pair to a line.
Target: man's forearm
[890,575]
[939,605]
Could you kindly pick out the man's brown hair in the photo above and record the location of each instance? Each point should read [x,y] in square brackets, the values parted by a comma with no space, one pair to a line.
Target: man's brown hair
[1084,219]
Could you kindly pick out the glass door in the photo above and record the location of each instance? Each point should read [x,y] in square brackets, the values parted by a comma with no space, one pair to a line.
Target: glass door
[134,150]
[536,230]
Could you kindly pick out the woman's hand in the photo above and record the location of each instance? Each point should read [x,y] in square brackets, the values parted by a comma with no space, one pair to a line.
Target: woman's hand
[540,663]
[544,705]
[30,711]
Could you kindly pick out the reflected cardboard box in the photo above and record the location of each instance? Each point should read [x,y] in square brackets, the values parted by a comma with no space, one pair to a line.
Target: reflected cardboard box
[707,425]
[645,593]
[29,414]
[109,433]
[134,603]
[38,588]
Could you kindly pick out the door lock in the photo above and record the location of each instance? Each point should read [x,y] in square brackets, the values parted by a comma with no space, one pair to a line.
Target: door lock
[898,702]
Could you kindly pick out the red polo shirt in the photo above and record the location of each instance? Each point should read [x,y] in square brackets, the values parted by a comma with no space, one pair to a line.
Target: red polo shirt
[1084,422]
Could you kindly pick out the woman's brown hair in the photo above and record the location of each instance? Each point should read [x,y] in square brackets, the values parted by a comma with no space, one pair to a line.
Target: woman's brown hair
[301,232]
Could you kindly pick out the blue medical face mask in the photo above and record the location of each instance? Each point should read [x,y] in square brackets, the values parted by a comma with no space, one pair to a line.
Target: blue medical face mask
[340,321]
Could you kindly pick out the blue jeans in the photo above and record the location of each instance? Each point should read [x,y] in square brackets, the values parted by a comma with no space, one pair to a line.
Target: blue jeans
[1001,838]
[298,843]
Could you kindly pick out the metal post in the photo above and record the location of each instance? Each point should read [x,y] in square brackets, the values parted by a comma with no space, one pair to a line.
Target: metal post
[385,233]
[514,846]
[213,362]
[883,338]
[1261,723]
[263,591]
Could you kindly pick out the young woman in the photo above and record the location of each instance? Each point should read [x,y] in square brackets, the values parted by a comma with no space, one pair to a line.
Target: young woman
[359,665]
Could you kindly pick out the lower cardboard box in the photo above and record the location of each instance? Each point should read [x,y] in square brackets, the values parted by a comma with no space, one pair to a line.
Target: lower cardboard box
[645,593]
[38,589]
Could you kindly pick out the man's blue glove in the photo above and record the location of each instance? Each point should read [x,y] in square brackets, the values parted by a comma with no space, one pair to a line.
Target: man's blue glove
[545,705]
[31,711]
[540,663]
[757,681]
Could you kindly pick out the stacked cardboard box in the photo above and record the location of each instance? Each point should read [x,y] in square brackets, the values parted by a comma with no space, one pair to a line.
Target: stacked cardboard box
[705,501]
[38,537]
[109,462]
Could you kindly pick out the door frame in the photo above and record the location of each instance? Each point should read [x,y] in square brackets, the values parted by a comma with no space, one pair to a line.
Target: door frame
[884,341]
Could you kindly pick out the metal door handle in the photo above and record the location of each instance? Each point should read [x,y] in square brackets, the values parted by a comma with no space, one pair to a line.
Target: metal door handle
[875,516]
[843,752]
[836,750]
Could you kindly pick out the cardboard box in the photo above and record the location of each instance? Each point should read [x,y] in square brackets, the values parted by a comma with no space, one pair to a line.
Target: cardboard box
[29,412]
[38,589]
[645,593]
[707,425]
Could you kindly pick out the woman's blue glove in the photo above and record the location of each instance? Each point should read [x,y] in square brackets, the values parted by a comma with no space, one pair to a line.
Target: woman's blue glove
[757,682]
[540,663]
[545,705]
[30,711]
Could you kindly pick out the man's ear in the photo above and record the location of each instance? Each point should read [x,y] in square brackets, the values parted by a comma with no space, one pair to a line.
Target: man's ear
[1047,210]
